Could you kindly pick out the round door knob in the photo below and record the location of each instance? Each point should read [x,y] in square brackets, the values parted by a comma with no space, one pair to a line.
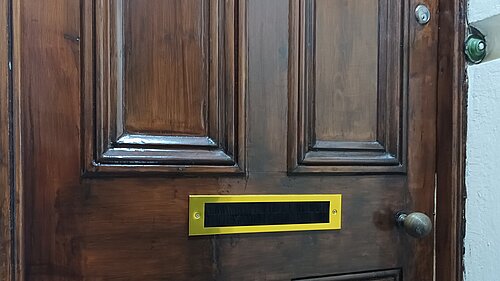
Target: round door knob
[415,224]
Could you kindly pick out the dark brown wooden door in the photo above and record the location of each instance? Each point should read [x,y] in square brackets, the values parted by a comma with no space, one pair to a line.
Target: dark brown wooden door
[130,106]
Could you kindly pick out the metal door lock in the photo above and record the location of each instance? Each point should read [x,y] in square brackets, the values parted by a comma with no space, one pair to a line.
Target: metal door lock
[422,14]
[475,46]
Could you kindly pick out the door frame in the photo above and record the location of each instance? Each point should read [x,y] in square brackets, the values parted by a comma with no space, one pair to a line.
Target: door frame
[451,132]
[451,141]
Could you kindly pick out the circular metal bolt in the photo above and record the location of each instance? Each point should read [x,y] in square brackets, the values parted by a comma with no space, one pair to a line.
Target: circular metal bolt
[334,211]
[196,215]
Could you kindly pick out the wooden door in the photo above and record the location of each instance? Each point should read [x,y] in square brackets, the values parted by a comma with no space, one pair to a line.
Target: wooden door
[130,106]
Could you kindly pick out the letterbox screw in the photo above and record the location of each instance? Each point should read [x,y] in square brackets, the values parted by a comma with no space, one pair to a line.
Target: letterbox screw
[196,215]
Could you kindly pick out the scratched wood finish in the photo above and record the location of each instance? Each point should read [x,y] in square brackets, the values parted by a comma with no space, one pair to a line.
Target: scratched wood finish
[135,227]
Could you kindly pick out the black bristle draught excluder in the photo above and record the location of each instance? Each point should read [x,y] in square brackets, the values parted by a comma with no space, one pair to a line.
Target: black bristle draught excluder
[265,213]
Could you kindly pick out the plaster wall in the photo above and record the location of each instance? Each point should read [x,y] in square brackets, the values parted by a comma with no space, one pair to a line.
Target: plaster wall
[482,240]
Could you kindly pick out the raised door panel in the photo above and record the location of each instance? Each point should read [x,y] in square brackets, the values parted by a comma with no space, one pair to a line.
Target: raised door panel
[161,84]
[348,87]
[165,66]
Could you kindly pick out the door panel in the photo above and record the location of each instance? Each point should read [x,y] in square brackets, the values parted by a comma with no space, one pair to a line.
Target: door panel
[160,87]
[349,85]
[343,66]
[163,86]
[130,106]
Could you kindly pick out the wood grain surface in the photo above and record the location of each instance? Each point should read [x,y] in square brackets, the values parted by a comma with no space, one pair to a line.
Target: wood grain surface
[133,225]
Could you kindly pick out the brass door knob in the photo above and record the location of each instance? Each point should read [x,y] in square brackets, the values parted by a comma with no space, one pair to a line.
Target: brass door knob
[415,224]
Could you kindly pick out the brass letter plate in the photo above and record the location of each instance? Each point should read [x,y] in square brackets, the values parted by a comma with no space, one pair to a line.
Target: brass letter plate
[230,214]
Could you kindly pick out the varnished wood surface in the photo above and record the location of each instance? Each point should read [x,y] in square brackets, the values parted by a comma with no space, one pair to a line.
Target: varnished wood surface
[179,72]
[422,109]
[452,102]
[346,75]
[167,65]
[330,77]
[166,61]
[7,251]
[135,228]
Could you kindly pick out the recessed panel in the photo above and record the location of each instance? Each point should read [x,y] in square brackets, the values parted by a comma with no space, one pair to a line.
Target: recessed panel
[347,105]
[345,61]
[161,82]
[166,66]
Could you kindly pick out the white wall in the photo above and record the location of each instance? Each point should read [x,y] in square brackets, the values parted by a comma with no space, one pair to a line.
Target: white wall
[482,240]
[481,9]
